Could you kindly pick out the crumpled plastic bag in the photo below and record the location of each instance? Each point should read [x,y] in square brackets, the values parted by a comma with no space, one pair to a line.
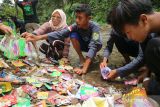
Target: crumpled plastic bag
[15,47]
[137,97]
[95,102]
[104,72]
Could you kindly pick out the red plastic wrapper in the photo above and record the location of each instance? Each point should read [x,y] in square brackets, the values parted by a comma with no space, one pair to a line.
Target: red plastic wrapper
[8,100]
[31,90]
[131,82]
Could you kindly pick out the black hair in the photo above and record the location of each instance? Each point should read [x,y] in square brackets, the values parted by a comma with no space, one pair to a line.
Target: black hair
[85,8]
[128,12]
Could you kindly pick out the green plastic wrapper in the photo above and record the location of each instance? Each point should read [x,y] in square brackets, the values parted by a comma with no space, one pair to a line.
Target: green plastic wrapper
[56,74]
[22,45]
[14,48]
[23,102]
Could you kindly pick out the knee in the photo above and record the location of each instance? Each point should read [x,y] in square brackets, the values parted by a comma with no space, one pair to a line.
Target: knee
[75,41]
[74,36]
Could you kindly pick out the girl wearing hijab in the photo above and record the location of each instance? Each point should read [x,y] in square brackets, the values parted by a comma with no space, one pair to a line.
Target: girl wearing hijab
[57,49]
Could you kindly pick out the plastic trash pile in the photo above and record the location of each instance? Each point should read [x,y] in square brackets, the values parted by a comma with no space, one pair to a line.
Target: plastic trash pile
[24,83]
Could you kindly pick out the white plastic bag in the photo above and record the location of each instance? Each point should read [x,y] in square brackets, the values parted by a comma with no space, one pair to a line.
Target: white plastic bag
[95,102]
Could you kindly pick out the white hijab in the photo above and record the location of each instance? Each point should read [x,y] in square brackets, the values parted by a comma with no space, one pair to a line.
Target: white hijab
[62,24]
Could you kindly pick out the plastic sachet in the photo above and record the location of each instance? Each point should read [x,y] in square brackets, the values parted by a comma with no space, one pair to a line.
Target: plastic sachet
[4,43]
[136,97]
[87,91]
[131,82]
[14,48]
[5,87]
[96,102]
[42,95]
[8,100]
[105,71]
[21,44]
[17,63]
[34,82]
[56,74]
[8,51]
[22,102]
[3,64]
[8,77]
[40,104]
[30,90]
[59,100]
[9,47]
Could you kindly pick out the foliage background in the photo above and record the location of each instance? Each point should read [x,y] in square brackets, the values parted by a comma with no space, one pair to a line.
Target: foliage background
[45,7]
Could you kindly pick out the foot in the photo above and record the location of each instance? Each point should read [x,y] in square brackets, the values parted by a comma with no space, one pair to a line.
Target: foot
[80,71]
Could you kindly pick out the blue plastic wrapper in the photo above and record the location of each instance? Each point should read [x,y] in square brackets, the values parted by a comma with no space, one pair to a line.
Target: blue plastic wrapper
[105,71]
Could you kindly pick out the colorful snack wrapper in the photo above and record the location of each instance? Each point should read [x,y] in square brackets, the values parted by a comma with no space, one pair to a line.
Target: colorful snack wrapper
[104,72]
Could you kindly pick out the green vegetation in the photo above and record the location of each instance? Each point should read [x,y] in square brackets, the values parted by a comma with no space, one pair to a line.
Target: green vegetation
[45,7]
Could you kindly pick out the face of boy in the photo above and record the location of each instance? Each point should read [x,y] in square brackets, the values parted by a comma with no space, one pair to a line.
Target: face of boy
[82,19]
[137,32]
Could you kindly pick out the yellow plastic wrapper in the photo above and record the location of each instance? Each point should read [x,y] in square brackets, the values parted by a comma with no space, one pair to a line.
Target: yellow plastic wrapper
[3,64]
[95,102]
[42,95]
[18,63]
[137,97]
[5,87]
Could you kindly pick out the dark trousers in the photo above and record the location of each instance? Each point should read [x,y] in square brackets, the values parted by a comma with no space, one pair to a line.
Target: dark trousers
[152,59]
[52,50]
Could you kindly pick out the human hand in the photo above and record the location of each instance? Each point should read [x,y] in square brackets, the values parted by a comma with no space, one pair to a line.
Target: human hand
[6,29]
[30,37]
[103,64]
[112,74]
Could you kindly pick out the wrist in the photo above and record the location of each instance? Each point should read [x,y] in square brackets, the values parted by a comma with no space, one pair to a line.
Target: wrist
[43,37]
[1,24]
[115,70]
[105,60]
[84,69]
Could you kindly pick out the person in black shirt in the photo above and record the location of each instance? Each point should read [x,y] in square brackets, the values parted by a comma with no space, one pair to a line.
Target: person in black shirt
[29,13]
[19,24]
[137,19]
